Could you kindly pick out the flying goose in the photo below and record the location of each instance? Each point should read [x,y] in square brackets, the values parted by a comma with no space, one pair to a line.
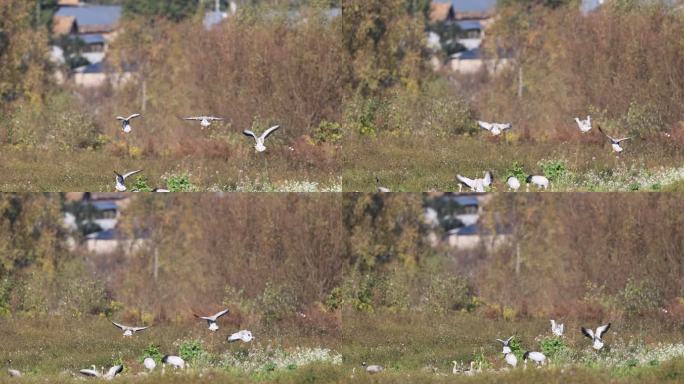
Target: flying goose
[211,320]
[557,329]
[244,335]
[125,122]
[380,189]
[260,139]
[584,125]
[149,364]
[174,361]
[121,179]
[372,368]
[127,330]
[477,185]
[13,372]
[596,336]
[513,183]
[538,357]
[495,128]
[537,180]
[615,143]
[205,121]
[506,344]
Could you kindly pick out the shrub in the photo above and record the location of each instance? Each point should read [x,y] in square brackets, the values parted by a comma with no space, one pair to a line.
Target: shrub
[180,183]
[276,302]
[193,353]
[555,170]
[328,132]
[638,297]
[153,351]
[553,346]
[141,185]
[447,293]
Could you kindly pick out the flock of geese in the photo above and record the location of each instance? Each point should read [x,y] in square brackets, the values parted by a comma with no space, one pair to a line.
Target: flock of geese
[541,182]
[205,122]
[149,363]
[509,357]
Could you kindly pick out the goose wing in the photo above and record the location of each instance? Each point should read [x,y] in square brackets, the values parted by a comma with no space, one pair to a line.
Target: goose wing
[622,139]
[213,118]
[604,134]
[120,118]
[269,131]
[468,182]
[219,314]
[601,330]
[193,118]
[125,175]
[133,116]
[89,372]
[120,326]
[115,370]
[506,126]
[484,125]
[249,133]
[588,333]
[509,340]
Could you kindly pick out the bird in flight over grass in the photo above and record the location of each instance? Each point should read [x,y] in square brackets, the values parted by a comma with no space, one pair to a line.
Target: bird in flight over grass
[121,179]
[477,185]
[205,121]
[260,139]
[125,122]
[211,320]
[128,330]
[584,125]
[615,143]
[494,128]
[244,335]
[596,336]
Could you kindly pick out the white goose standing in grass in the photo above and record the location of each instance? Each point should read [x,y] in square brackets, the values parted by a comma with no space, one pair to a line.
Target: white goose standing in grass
[380,188]
[149,364]
[121,179]
[174,361]
[596,336]
[372,368]
[126,122]
[245,336]
[513,183]
[211,320]
[205,121]
[557,329]
[537,357]
[456,370]
[494,128]
[14,372]
[260,139]
[128,330]
[541,182]
[615,143]
[477,185]
[584,125]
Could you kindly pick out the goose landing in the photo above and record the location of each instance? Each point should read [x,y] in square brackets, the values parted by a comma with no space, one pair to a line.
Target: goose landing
[121,179]
[125,122]
[596,337]
[128,330]
[557,329]
[205,121]
[615,143]
[584,125]
[494,128]
[260,139]
[211,320]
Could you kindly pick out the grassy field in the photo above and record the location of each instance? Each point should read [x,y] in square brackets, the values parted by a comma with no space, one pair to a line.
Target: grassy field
[412,347]
[31,170]
[422,164]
